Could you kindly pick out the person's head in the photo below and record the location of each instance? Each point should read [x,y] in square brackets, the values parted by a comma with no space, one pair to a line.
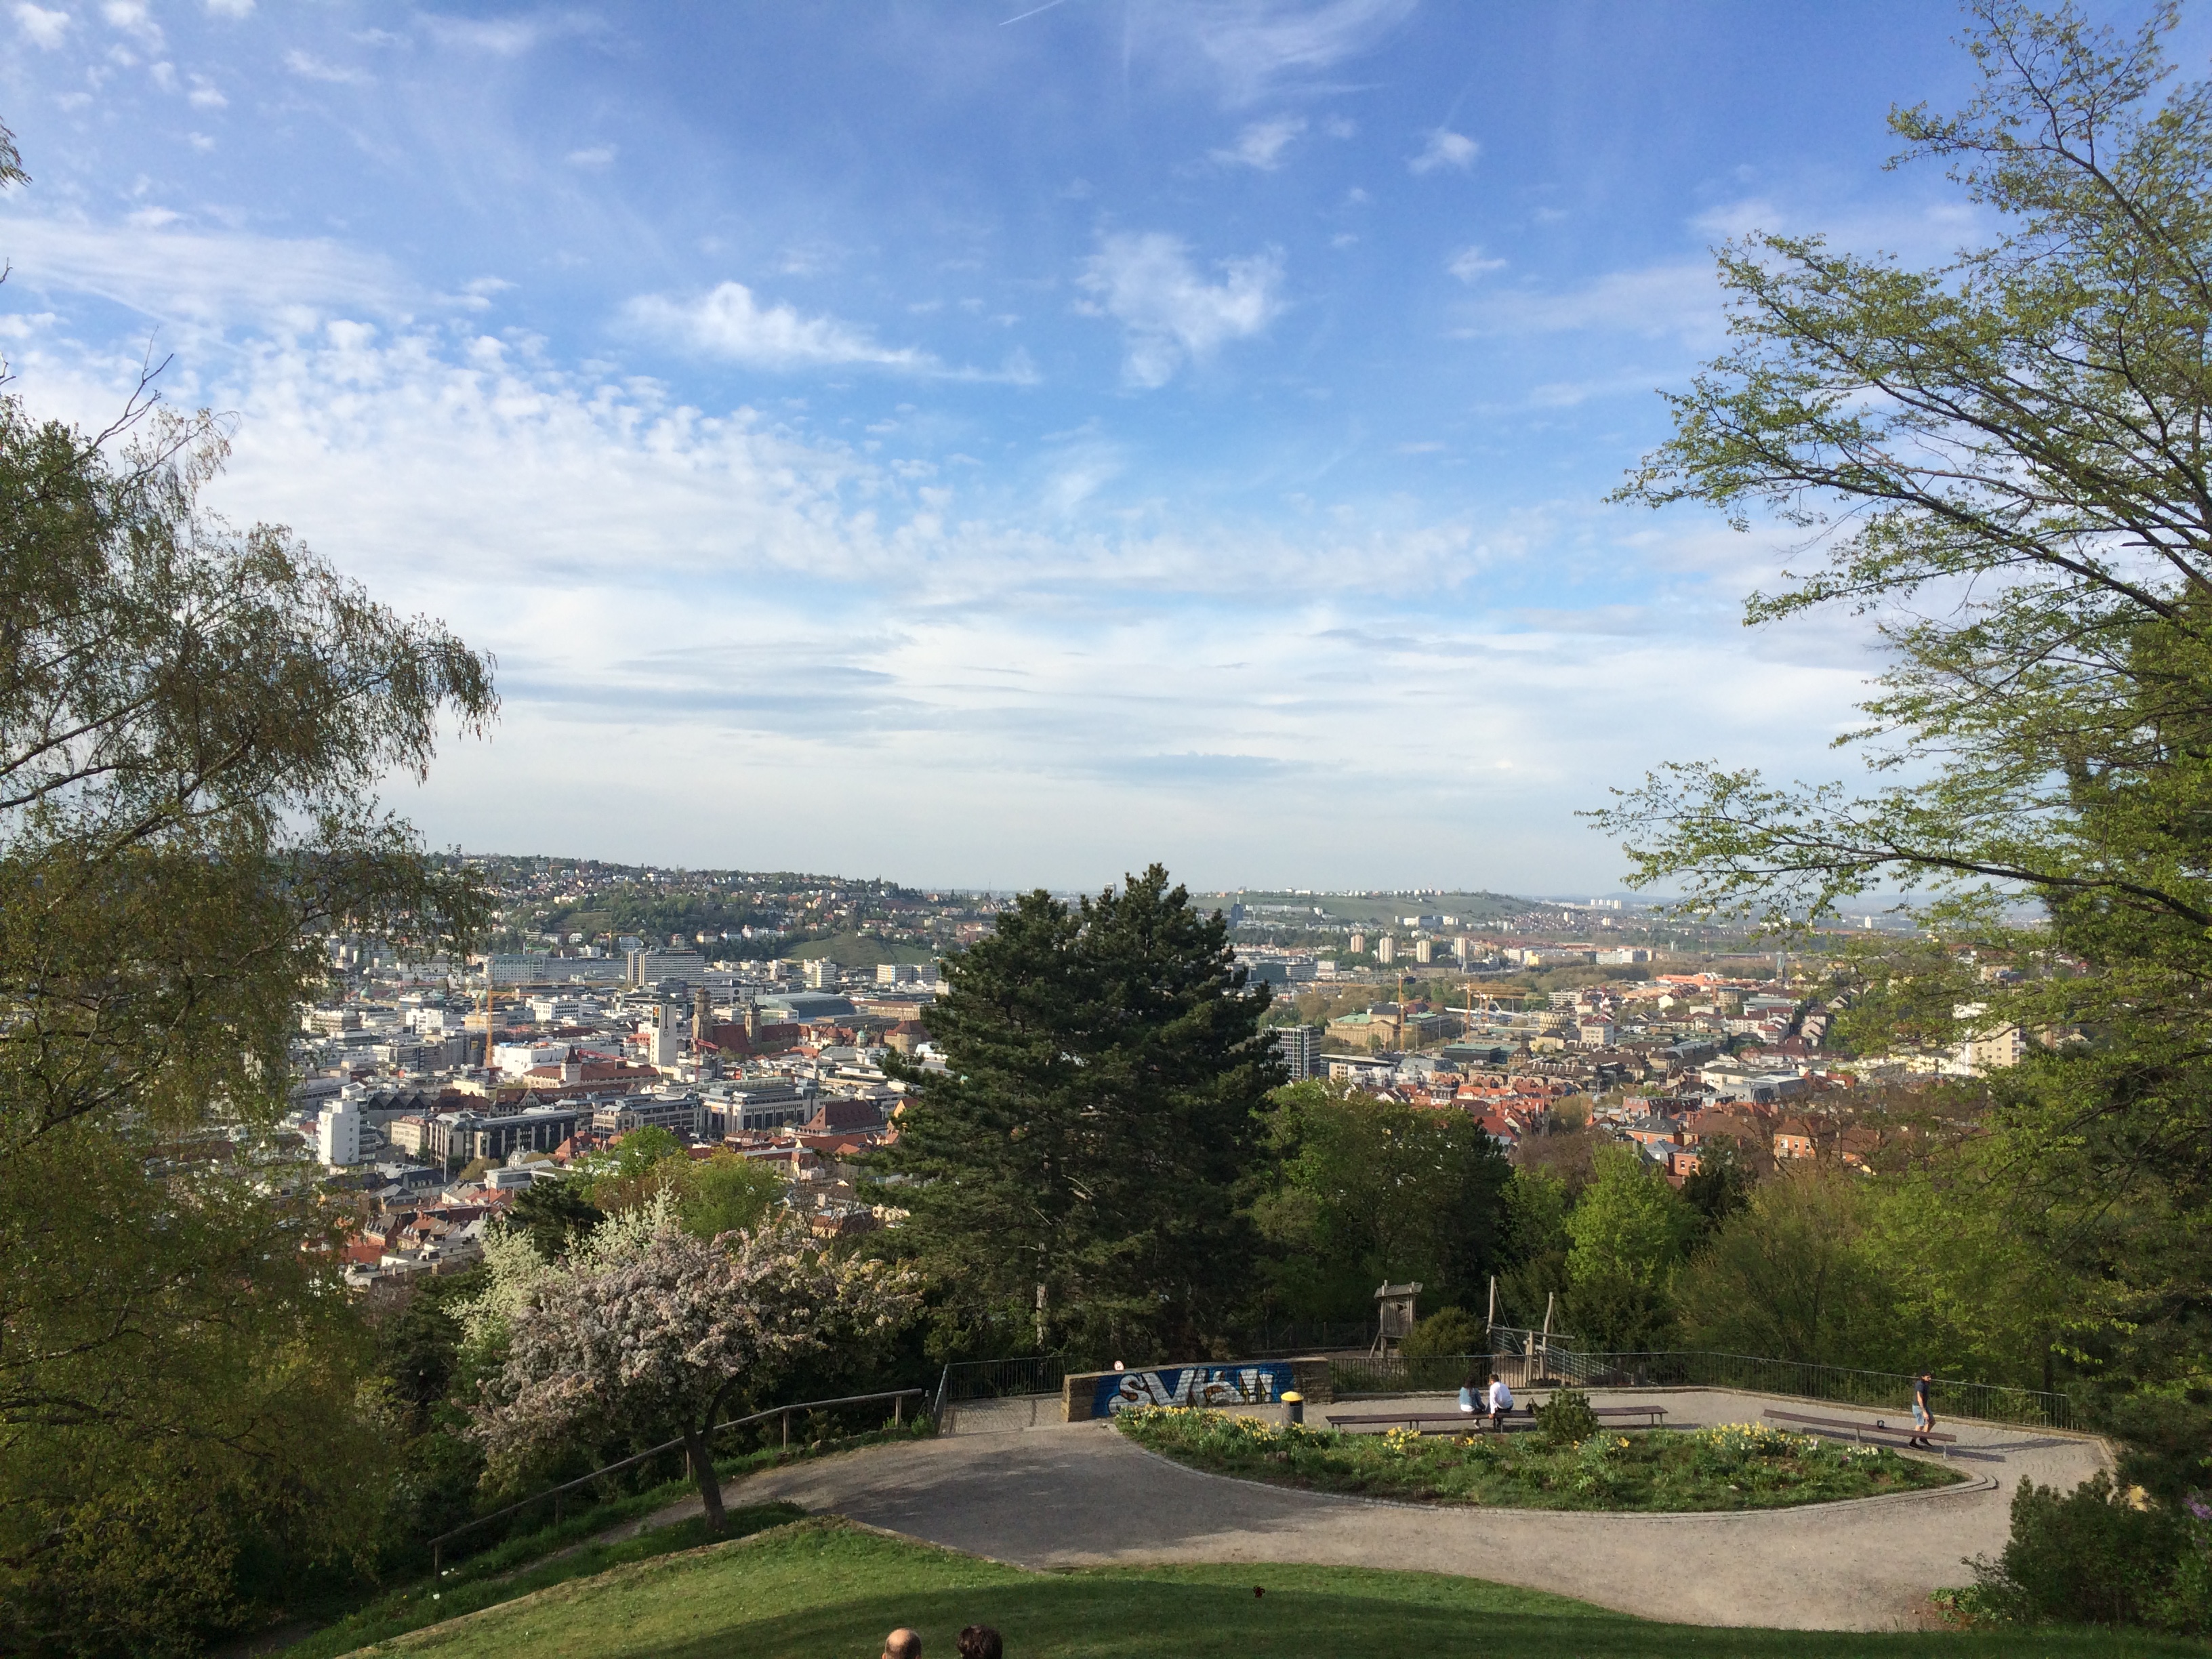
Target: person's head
[1495,1378]
[981,1642]
[903,1644]
[1927,1376]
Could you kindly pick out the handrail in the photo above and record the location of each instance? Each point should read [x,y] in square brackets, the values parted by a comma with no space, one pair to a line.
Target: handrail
[438,1544]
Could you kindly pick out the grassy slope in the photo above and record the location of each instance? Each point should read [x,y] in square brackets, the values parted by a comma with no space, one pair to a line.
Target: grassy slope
[823,1587]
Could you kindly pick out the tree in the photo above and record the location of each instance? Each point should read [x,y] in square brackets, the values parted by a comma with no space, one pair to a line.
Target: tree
[719,1194]
[2004,461]
[551,1214]
[1627,1233]
[1537,1201]
[1367,1190]
[1083,1165]
[1790,1275]
[663,1335]
[1720,1186]
[193,721]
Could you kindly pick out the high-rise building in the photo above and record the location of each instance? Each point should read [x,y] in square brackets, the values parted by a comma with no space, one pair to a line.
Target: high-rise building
[338,1134]
[651,967]
[1424,952]
[1386,949]
[822,974]
[1300,1048]
[1358,942]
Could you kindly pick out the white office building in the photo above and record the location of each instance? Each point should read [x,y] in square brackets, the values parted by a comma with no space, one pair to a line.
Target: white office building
[338,1134]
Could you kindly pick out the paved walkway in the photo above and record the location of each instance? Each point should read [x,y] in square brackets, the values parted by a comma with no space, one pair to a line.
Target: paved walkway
[1081,1495]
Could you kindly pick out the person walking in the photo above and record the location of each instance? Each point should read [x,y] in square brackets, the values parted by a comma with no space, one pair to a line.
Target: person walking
[1923,1416]
[1501,1402]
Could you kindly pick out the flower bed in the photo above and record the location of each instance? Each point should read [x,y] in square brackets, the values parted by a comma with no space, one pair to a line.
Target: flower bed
[1738,1466]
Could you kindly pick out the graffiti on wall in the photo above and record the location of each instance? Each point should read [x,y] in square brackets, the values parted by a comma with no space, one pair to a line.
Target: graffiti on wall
[1193,1385]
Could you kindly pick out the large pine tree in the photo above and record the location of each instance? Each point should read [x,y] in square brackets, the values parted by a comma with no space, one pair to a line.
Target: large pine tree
[1077,1176]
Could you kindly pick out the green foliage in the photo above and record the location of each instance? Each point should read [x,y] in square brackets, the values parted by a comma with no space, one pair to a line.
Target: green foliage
[551,1214]
[1083,1168]
[1721,1184]
[1366,1191]
[1793,1275]
[2091,1557]
[193,722]
[1628,1234]
[1566,1418]
[1447,1331]
[2003,459]
[1536,1205]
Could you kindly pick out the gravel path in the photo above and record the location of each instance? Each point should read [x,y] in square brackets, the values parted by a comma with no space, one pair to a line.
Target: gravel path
[1081,1495]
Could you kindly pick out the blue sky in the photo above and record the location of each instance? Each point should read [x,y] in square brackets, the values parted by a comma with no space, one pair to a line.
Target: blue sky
[983,447]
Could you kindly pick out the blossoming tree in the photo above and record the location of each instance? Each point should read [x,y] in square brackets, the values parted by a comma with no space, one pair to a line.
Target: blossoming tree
[666,1331]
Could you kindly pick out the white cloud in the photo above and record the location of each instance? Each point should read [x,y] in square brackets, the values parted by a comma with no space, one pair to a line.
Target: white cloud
[1445,149]
[1263,144]
[1258,45]
[728,322]
[132,18]
[503,37]
[702,618]
[43,28]
[205,95]
[308,67]
[1469,264]
[232,9]
[596,159]
[1171,312]
[1681,300]
[219,279]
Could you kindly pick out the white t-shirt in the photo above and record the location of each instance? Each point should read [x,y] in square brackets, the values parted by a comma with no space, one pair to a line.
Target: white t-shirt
[1501,1397]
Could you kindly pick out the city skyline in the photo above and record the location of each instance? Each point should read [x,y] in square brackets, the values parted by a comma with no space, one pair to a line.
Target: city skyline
[1003,446]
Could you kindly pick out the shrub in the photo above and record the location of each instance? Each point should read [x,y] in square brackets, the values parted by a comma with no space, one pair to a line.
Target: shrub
[1568,1420]
[1446,1331]
[2092,1556]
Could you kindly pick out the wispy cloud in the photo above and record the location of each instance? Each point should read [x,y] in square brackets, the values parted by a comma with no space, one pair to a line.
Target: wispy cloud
[729,322]
[214,277]
[595,159]
[132,18]
[233,8]
[503,37]
[1445,149]
[43,28]
[1170,312]
[1263,144]
[1470,265]
[1682,299]
[1259,44]
[308,67]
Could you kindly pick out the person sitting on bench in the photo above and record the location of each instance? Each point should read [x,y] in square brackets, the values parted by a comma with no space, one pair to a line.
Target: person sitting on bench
[1501,1400]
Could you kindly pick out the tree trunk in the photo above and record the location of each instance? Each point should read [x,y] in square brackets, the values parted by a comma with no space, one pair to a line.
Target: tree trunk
[703,1471]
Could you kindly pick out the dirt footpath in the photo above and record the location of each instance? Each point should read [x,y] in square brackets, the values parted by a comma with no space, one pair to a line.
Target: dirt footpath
[1081,1495]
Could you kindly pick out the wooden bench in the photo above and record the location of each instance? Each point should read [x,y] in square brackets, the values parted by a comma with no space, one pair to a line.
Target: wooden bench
[1654,1416]
[1879,1434]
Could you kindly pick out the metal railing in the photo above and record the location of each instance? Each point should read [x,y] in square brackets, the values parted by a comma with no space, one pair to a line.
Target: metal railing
[1524,1365]
[995,1379]
[898,1396]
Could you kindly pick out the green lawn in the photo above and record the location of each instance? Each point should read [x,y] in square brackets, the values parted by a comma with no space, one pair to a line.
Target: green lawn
[1734,1467]
[823,1587]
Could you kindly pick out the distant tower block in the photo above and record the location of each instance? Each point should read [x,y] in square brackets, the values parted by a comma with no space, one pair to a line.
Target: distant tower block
[1358,942]
[1386,949]
[1424,952]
